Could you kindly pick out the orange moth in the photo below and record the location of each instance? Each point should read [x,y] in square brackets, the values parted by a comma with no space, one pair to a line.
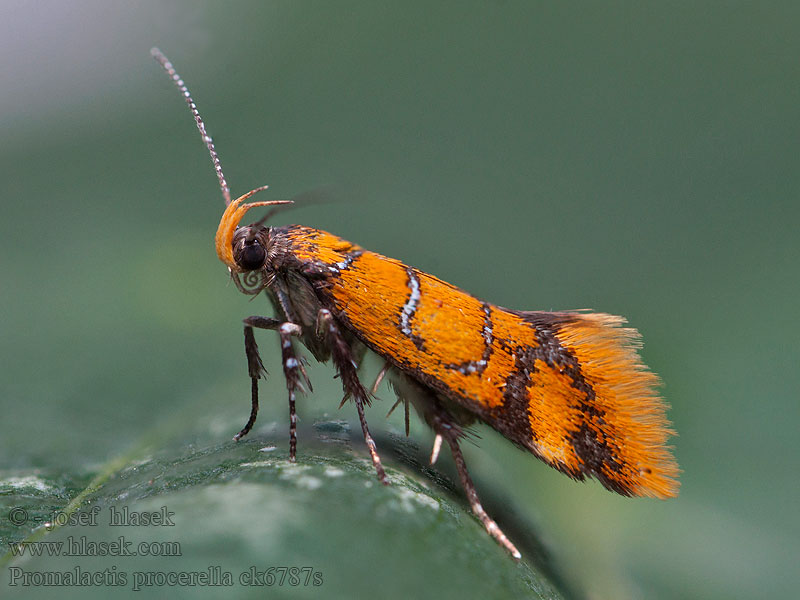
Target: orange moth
[569,387]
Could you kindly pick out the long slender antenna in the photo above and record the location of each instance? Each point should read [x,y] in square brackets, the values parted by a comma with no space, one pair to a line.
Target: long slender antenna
[164,62]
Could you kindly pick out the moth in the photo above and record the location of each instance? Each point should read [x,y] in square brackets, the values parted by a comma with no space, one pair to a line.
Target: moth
[568,387]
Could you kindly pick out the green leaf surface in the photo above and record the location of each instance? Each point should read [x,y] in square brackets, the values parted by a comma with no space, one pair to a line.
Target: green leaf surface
[236,518]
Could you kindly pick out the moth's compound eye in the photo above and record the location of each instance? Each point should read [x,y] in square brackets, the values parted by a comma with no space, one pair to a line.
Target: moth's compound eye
[252,256]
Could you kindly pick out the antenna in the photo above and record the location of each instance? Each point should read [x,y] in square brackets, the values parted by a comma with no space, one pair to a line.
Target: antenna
[167,66]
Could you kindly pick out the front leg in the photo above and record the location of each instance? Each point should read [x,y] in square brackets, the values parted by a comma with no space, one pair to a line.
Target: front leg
[346,366]
[293,371]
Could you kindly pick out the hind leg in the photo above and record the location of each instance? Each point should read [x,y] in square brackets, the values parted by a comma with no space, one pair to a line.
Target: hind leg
[446,428]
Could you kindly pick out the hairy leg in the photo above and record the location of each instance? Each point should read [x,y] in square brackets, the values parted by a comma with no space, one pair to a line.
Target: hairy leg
[346,366]
[446,428]
[293,371]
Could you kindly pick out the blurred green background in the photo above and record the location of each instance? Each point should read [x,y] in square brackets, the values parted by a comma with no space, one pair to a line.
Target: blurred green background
[638,160]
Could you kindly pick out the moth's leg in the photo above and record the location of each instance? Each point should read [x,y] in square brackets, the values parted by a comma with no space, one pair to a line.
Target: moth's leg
[254,366]
[395,405]
[346,366]
[293,371]
[446,428]
[381,374]
[379,378]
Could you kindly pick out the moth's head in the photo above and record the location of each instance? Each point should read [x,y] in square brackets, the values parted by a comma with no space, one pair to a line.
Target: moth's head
[243,249]
[250,247]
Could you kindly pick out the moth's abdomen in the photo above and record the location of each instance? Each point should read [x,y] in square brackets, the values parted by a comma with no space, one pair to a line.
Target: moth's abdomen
[569,387]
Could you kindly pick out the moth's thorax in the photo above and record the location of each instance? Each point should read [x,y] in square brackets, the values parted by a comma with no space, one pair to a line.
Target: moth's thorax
[318,252]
